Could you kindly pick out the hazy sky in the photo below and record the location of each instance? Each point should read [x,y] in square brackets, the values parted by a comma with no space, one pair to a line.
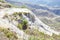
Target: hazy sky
[37,0]
[46,2]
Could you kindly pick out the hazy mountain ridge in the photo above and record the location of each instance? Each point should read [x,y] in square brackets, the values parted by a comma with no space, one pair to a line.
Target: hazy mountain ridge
[54,10]
[36,6]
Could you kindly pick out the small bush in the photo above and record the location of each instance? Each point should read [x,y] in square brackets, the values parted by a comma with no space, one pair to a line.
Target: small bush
[23,25]
[20,26]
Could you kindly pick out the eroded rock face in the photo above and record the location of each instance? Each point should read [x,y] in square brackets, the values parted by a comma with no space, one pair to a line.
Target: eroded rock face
[11,21]
[14,16]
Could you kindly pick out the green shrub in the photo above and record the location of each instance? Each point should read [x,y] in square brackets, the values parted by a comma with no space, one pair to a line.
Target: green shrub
[23,25]
[20,26]
[9,34]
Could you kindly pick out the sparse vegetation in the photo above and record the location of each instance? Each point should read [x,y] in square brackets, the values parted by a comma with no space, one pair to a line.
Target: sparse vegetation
[52,23]
[23,6]
[22,22]
[2,1]
[36,35]
[34,38]
[8,33]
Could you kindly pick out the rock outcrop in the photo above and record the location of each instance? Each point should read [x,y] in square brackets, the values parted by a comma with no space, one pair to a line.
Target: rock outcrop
[26,14]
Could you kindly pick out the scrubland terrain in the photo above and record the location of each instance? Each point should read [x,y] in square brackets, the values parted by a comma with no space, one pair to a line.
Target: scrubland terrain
[16,25]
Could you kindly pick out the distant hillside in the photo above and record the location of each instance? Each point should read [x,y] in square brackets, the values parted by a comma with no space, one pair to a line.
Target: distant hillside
[54,10]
